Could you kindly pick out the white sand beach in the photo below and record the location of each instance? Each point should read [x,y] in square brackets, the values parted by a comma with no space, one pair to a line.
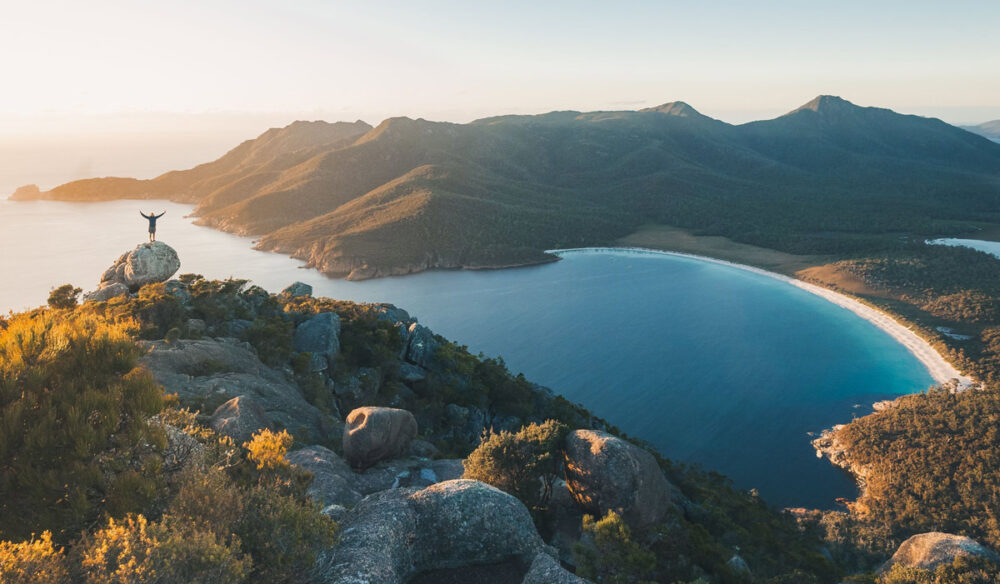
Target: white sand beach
[939,368]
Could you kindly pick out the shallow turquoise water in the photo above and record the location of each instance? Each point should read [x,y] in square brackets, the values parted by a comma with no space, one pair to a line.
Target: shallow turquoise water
[709,363]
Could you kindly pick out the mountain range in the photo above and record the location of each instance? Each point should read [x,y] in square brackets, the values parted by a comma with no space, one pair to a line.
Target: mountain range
[359,201]
[989,129]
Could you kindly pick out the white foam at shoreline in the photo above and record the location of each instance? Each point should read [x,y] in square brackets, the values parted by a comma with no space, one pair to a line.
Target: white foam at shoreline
[939,369]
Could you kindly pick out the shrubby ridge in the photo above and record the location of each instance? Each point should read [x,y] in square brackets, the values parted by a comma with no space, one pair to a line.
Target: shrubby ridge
[191,430]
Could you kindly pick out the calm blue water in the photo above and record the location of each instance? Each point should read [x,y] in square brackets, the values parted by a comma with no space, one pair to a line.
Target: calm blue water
[711,364]
[990,247]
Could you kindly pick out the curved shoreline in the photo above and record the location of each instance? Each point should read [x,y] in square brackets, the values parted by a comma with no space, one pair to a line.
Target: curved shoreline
[938,367]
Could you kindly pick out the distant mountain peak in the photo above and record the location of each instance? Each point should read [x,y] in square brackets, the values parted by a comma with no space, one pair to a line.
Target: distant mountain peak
[675,108]
[827,104]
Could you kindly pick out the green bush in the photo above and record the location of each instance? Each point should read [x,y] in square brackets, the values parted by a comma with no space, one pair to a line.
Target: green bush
[524,464]
[607,554]
[64,297]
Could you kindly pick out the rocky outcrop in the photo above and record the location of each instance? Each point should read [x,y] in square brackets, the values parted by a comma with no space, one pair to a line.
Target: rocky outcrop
[335,483]
[829,445]
[297,289]
[320,335]
[421,346]
[391,536]
[148,263]
[240,418]
[546,570]
[373,434]
[206,373]
[927,551]
[605,473]
[106,292]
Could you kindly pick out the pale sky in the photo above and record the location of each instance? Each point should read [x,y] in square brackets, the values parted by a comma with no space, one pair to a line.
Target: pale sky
[104,64]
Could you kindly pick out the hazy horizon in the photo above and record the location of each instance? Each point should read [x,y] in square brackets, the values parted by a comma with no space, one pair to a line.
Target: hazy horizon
[114,87]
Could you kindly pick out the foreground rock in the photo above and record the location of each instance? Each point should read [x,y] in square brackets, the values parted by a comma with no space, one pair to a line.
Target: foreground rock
[206,373]
[240,418]
[148,263]
[605,473]
[391,536]
[927,551]
[320,335]
[547,570]
[373,434]
[335,483]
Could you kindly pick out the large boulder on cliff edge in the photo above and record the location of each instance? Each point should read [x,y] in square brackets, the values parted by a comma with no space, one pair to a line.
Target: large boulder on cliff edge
[148,263]
[605,473]
[372,434]
[927,551]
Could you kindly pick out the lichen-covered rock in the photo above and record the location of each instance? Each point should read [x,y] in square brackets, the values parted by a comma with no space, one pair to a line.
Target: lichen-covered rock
[181,451]
[206,373]
[927,551]
[547,570]
[605,473]
[391,536]
[297,289]
[333,480]
[148,263]
[320,335]
[106,291]
[372,434]
[240,418]
[421,346]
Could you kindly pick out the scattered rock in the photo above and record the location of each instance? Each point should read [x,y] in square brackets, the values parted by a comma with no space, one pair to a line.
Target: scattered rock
[927,551]
[240,418]
[738,565]
[148,263]
[422,449]
[106,291]
[320,335]
[178,290]
[182,449]
[196,326]
[374,434]
[605,473]
[422,346]
[547,570]
[391,536]
[297,289]
[360,389]
[235,327]
[334,482]
[206,373]
[448,469]
[410,373]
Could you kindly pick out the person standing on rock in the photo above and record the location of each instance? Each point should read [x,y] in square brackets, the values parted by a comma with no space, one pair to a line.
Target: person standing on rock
[152,223]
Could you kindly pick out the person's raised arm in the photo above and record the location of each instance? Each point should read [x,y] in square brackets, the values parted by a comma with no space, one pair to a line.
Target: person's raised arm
[161,214]
[144,215]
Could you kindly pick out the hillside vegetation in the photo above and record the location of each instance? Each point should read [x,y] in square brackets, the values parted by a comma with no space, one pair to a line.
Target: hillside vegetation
[145,491]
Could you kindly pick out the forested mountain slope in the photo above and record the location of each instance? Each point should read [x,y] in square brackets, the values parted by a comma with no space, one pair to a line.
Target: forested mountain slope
[829,177]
